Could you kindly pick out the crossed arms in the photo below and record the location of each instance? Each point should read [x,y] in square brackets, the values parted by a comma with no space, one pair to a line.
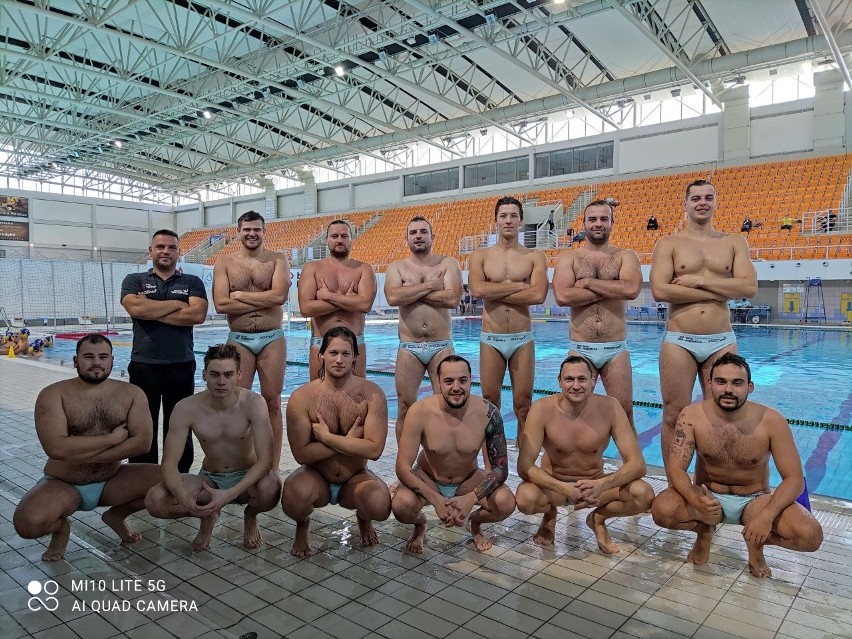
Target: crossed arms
[240,302]
[316,300]
[444,290]
[569,291]
[520,293]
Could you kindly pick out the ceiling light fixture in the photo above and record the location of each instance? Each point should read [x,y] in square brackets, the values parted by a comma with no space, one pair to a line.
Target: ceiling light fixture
[340,71]
[117,144]
[207,115]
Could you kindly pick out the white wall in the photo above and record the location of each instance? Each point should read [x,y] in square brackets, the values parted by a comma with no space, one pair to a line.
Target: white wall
[785,133]
[291,205]
[375,193]
[664,150]
[218,215]
[331,200]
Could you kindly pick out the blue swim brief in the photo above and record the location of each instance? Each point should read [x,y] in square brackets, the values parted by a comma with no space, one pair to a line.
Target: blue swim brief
[90,494]
[599,353]
[255,342]
[447,490]
[334,493]
[425,351]
[317,340]
[223,481]
[701,346]
[734,505]
[506,343]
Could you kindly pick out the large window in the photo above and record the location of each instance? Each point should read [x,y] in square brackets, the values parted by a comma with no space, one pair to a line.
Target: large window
[431,182]
[577,160]
[497,172]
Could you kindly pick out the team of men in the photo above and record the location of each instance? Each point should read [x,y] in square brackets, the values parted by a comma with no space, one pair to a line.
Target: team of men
[338,421]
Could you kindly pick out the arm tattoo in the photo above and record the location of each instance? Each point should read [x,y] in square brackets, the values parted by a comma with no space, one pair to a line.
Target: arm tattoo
[495,446]
[683,446]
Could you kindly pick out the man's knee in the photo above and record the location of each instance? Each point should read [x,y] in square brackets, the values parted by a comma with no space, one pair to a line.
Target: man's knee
[504,501]
[528,498]
[521,403]
[268,493]
[405,505]
[30,523]
[665,507]
[642,494]
[809,535]
[297,496]
[273,403]
[375,501]
[156,499]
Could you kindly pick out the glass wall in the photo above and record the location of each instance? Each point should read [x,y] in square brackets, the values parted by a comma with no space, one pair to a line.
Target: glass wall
[576,160]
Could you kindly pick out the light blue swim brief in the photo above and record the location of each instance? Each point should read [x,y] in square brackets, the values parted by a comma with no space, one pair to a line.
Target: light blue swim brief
[255,342]
[701,346]
[599,353]
[90,494]
[734,505]
[447,490]
[425,351]
[506,343]
[334,493]
[223,481]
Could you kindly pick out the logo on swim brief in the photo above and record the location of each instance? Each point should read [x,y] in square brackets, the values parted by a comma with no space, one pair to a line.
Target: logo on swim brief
[49,588]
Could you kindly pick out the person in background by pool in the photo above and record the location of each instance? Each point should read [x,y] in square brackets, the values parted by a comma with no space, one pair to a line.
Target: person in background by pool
[575,427]
[425,287]
[509,278]
[452,426]
[164,305]
[337,291]
[87,426]
[596,282]
[335,423]
[36,348]
[696,271]
[21,341]
[232,426]
[736,438]
[251,287]
[787,222]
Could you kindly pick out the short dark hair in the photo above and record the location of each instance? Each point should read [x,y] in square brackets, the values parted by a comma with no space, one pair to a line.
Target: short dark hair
[330,224]
[222,351]
[508,200]
[607,202]
[93,338]
[419,218]
[168,232]
[577,359]
[734,360]
[250,216]
[449,359]
[701,182]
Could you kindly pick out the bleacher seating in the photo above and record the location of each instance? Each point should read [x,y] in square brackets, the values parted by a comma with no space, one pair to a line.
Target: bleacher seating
[195,237]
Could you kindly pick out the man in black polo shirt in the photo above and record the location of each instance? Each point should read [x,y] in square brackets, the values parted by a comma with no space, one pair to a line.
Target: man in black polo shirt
[164,304]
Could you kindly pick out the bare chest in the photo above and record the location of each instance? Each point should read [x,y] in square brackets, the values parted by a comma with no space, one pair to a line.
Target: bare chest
[94,415]
[340,409]
[418,274]
[713,255]
[599,267]
[338,279]
[726,447]
[231,426]
[250,275]
[507,267]
[441,439]
[578,437]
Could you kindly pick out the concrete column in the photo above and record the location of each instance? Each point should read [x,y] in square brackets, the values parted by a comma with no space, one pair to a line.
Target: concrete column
[736,124]
[829,124]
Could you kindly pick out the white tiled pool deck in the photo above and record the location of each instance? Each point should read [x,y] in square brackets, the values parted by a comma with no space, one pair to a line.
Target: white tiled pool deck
[515,590]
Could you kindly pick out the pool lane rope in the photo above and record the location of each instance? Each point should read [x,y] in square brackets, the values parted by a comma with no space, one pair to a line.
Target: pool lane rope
[657,405]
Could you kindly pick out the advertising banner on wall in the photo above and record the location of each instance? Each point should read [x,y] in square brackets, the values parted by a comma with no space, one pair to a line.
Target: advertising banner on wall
[13,206]
[14,231]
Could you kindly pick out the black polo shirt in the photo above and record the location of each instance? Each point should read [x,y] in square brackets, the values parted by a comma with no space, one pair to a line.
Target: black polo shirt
[155,342]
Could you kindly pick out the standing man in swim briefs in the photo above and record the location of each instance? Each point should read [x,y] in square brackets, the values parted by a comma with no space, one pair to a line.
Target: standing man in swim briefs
[337,291]
[425,287]
[735,438]
[232,426]
[165,304]
[509,278]
[250,287]
[575,427]
[697,271]
[451,431]
[335,423]
[595,282]
[87,426]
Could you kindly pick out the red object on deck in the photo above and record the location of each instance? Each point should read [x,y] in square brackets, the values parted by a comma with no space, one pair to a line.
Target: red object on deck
[80,334]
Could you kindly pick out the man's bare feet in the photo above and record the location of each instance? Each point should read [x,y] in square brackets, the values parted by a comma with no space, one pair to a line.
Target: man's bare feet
[700,552]
[251,532]
[301,547]
[482,542]
[205,533]
[597,523]
[369,536]
[58,542]
[547,531]
[415,542]
[115,521]
[757,563]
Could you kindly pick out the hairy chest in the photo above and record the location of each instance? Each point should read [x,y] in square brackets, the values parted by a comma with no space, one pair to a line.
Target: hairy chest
[249,276]
[96,415]
[599,267]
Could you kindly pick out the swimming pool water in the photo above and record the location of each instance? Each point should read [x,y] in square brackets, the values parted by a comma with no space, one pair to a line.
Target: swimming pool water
[803,373]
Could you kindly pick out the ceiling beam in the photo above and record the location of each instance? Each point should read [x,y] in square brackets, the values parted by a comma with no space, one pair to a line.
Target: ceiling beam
[832,43]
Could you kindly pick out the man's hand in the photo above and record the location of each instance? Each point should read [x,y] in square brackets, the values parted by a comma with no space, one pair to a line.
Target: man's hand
[707,505]
[321,429]
[689,281]
[581,498]
[756,532]
[218,499]
[581,283]
[197,502]
[119,434]
[446,512]
[462,505]
[357,429]
[590,490]
[236,295]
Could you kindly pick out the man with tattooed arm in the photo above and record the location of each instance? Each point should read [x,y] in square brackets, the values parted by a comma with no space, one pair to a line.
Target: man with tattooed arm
[451,427]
